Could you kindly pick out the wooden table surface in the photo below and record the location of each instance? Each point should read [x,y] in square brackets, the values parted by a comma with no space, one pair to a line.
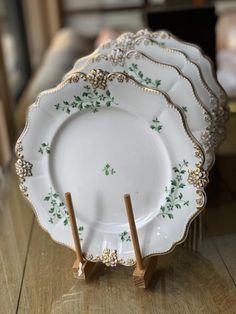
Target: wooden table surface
[36,276]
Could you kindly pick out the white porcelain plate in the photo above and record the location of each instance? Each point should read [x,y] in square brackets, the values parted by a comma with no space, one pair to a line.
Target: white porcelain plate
[196,55]
[206,67]
[100,136]
[156,48]
[167,79]
[199,70]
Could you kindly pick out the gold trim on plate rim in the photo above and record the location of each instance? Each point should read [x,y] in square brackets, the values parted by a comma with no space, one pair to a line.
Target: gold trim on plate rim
[128,41]
[198,177]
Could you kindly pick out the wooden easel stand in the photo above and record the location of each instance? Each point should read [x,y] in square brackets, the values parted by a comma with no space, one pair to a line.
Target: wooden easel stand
[144,268]
[82,268]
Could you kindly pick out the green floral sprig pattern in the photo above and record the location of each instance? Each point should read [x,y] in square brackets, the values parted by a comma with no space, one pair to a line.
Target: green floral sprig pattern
[108,170]
[44,148]
[89,99]
[58,211]
[134,71]
[125,237]
[175,197]
[156,125]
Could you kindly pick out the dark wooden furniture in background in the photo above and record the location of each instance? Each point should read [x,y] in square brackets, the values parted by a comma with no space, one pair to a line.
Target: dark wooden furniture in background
[192,25]
[191,20]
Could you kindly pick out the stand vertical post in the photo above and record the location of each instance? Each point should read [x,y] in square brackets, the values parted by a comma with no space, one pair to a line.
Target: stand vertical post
[81,268]
[144,268]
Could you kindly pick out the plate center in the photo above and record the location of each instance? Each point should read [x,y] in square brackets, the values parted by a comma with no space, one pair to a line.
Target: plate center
[99,157]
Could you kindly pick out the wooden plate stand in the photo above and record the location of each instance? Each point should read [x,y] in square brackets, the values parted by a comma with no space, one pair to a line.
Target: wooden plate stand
[82,268]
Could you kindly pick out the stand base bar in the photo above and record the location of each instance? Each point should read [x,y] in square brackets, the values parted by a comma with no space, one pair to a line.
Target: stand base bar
[83,271]
[142,277]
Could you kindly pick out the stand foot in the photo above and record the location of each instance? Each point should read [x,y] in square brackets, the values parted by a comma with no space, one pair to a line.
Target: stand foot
[83,271]
[142,277]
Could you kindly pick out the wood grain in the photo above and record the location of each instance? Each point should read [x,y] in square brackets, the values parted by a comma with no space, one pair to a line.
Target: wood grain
[220,221]
[143,277]
[185,282]
[74,228]
[133,232]
[226,248]
[15,226]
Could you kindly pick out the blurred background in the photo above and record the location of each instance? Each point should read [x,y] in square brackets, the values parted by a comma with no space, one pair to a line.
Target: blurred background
[40,41]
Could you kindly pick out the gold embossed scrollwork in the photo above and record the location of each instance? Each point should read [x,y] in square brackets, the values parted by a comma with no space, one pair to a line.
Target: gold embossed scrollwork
[109,258]
[75,77]
[23,168]
[98,78]
[198,177]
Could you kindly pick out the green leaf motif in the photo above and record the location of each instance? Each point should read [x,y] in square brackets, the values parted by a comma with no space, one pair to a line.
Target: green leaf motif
[80,230]
[90,99]
[57,208]
[124,236]
[108,170]
[44,148]
[185,109]
[175,198]
[156,126]
[161,44]
[139,76]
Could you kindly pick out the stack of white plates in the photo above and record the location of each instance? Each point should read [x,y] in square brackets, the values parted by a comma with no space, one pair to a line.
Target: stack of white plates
[143,115]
